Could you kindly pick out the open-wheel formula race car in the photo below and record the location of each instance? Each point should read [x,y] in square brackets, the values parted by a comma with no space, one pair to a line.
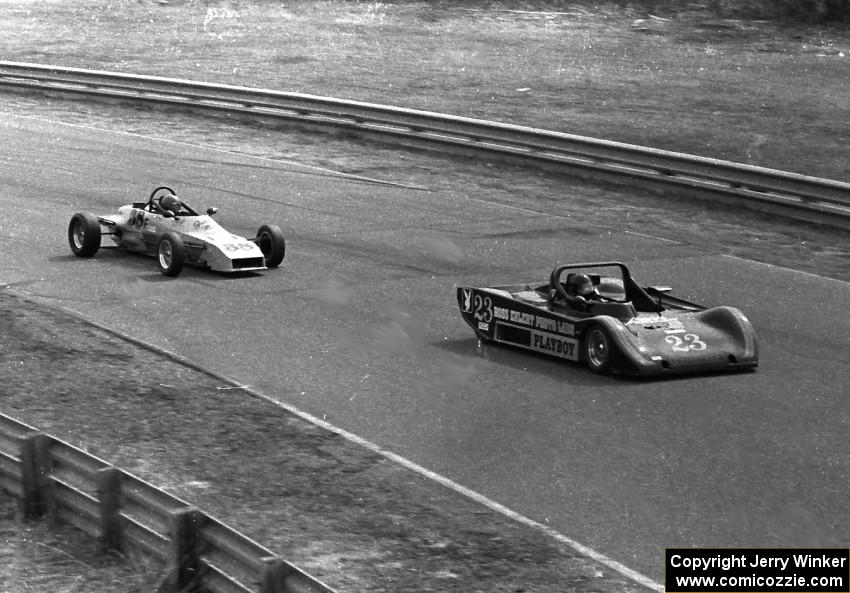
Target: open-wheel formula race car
[595,313]
[166,228]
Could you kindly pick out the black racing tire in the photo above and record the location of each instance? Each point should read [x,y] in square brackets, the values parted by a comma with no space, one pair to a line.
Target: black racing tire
[271,242]
[170,254]
[598,350]
[84,234]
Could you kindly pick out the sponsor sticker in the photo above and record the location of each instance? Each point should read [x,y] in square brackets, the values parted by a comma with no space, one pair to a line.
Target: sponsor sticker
[554,344]
[467,300]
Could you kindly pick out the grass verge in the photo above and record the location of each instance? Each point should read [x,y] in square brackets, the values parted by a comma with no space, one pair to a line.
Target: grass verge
[747,91]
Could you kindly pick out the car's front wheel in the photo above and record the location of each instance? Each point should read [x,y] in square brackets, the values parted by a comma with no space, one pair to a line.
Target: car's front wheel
[597,349]
[84,234]
[271,242]
[170,254]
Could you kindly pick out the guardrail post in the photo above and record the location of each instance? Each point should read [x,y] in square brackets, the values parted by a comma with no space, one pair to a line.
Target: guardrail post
[34,470]
[279,577]
[185,530]
[273,577]
[51,500]
[109,495]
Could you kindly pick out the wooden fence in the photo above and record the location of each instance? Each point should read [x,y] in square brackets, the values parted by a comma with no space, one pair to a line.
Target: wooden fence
[61,482]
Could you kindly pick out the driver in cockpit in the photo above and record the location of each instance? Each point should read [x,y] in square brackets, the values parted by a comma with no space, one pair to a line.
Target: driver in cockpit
[581,287]
[170,205]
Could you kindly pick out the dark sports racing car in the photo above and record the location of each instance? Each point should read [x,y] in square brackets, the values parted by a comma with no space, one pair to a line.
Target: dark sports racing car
[615,325]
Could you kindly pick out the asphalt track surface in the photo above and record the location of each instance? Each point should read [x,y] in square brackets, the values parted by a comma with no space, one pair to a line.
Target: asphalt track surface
[359,327]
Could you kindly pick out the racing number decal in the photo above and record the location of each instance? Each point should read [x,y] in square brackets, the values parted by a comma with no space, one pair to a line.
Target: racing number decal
[483,308]
[231,247]
[137,219]
[686,342]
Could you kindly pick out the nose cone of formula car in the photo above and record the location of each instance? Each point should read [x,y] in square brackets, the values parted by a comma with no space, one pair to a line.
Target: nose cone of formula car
[240,256]
[224,251]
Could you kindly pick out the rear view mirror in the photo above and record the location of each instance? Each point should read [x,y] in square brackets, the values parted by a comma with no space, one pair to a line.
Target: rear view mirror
[211,211]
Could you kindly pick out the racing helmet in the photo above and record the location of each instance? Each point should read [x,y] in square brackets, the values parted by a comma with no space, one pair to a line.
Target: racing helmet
[170,203]
[579,285]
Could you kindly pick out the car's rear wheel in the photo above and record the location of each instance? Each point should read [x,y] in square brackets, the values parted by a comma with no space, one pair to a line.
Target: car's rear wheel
[84,234]
[597,349]
[170,254]
[271,242]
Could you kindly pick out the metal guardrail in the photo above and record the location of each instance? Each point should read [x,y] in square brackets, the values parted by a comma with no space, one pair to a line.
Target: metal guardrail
[801,196]
[50,477]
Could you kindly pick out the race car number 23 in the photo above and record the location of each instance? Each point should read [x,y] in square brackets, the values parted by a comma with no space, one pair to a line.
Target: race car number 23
[482,308]
[685,343]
